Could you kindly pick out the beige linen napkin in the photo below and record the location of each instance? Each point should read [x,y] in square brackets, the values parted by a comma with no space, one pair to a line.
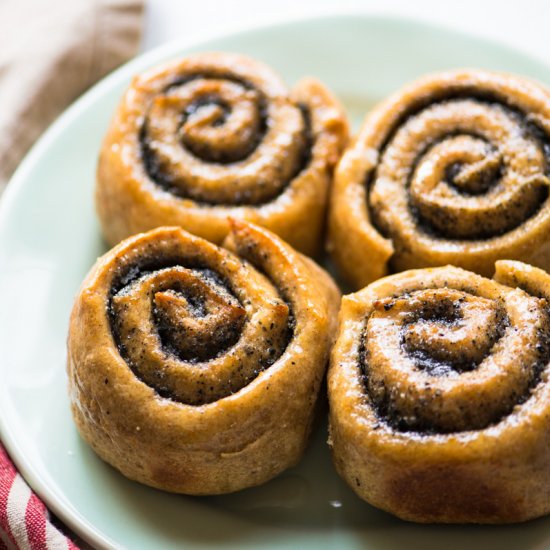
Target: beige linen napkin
[50,52]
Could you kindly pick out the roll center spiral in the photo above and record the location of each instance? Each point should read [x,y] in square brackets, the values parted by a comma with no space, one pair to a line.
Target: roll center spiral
[463,169]
[444,360]
[220,139]
[448,331]
[193,339]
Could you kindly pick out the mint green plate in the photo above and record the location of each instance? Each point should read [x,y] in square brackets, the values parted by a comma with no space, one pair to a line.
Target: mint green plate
[49,238]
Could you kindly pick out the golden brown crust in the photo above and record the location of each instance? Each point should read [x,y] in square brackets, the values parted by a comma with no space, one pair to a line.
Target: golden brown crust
[439,394]
[451,169]
[216,135]
[240,412]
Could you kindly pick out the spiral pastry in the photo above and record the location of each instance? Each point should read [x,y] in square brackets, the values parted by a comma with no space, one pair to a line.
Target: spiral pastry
[216,135]
[439,394]
[194,368]
[451,169]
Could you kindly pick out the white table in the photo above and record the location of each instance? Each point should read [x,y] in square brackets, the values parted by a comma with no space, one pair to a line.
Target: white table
[522,24]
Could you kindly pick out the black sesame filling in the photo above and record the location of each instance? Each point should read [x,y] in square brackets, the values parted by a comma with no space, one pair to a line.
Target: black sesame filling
[165,180]
[221,341]
[387,414]
[528,126]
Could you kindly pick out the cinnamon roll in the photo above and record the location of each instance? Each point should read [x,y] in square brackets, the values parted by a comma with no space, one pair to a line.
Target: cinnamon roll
[216,135]
[451,169]
[440,396]
[194,368]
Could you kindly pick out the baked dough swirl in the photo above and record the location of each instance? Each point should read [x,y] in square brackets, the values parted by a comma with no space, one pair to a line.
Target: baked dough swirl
[451,169]
[195,368]
[216,135]
[439,394]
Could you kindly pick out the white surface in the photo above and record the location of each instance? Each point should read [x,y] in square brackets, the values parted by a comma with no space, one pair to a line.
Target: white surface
[521,24]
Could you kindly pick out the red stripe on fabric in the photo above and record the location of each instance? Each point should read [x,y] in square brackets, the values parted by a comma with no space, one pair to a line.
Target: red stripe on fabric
[7,475]
[35,523]
[36,513]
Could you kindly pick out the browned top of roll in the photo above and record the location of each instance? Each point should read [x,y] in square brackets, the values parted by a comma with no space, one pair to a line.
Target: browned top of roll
[453,168]
[220,129]
[442,350]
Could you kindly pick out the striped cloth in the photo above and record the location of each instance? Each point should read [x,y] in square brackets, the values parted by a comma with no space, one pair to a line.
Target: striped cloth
[17,501]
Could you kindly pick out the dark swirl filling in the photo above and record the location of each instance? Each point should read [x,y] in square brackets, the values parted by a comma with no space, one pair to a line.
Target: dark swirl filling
[217,139]
[463,164]
[440,361]
[189,334]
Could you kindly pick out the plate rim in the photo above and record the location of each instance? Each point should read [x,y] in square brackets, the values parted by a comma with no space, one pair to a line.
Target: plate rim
[49,493]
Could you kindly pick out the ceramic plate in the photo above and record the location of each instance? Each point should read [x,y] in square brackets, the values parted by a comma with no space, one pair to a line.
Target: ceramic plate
[49,238]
